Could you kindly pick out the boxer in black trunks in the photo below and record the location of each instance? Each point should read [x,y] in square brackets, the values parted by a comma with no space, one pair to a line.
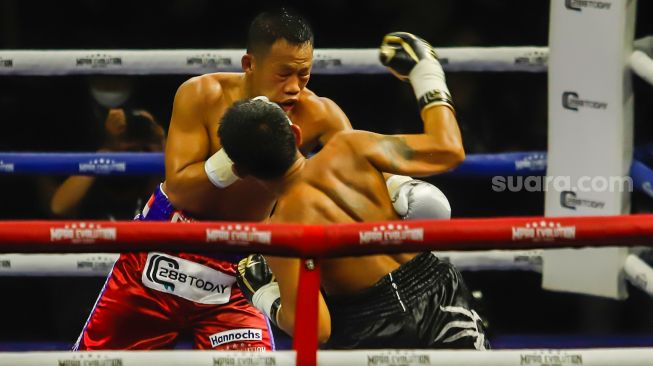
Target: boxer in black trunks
[380,301]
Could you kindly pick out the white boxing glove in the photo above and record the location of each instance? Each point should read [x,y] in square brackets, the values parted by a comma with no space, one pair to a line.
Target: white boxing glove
[414,199]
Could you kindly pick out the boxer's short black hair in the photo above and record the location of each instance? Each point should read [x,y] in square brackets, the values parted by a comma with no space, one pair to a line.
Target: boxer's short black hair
[256,135]
[270,26]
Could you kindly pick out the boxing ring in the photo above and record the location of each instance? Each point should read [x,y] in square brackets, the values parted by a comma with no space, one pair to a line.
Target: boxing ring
[314,242]
[479,165]
[515,243]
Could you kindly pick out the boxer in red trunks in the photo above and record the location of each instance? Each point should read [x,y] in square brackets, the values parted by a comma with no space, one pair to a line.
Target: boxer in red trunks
[151,298]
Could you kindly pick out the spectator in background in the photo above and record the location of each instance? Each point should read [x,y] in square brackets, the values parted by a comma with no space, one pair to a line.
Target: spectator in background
[113,197]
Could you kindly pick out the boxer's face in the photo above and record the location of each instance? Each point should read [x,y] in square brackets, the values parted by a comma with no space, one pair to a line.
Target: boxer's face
[282,73]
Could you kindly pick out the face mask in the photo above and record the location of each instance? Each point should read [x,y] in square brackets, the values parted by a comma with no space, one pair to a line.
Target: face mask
[110,98]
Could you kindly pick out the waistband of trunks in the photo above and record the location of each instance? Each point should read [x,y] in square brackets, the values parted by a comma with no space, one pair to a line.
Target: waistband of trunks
[394,292]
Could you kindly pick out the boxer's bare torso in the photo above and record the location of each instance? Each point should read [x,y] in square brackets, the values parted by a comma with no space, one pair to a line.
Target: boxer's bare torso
[343,183]
[337,187]
[192,138]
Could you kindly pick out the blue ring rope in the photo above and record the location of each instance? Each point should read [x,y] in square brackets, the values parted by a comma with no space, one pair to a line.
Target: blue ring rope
[129,163]
[118,163]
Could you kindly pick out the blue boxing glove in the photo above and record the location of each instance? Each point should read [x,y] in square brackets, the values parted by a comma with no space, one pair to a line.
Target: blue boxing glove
[414,199]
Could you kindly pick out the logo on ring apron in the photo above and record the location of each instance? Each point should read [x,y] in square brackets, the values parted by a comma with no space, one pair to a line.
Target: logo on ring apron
[208,60]
[326,62]
[103,166]
[535,161]
[186,279]
[550,357]
[576,5]
[99,60]
[534,58]
[82,232]
[543,231]
[571,101]
[238,234]
[391,234]
[570,200]
[6,167]
[83,360]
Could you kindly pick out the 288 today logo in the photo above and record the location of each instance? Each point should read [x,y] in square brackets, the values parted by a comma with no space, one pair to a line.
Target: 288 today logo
[159,269]
[187,279]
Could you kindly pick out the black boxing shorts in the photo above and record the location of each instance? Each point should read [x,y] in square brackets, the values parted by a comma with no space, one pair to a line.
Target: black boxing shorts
[422,304]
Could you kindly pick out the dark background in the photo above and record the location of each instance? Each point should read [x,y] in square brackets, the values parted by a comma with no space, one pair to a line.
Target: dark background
[498,112]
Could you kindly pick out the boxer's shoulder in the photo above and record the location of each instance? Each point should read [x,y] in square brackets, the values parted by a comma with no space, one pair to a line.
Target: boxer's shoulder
[210,89]
[317,110]
[314,105]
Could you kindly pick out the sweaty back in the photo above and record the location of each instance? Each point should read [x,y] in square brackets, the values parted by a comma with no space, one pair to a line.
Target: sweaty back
[339,186]
[336,186]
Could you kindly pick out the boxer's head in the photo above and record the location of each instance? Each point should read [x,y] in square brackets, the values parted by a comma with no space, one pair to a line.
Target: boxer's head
[279,56]
[259,138]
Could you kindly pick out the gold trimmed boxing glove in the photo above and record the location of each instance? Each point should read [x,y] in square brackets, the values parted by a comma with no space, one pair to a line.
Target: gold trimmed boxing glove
[411,58]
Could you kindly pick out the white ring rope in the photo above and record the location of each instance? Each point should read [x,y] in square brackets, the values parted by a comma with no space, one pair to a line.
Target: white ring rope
[642,65]
[639,273]
[61,265]
[636,271]
[495,260]
[99,264]
[190,62]
[585,357]
[327,61]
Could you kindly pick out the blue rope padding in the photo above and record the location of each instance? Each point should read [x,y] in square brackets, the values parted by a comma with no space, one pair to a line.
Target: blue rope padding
[505,164]
[125,163]
[129,163]
[642,177]
[118,163]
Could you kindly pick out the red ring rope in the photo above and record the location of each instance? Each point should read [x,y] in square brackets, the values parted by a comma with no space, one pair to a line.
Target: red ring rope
[315,241]
[326,241]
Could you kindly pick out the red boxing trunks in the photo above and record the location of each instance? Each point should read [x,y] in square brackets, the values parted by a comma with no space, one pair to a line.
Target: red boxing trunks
[150,299]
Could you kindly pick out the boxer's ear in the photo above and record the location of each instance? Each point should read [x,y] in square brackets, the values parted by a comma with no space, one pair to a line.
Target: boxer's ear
[297,131]
[247,63]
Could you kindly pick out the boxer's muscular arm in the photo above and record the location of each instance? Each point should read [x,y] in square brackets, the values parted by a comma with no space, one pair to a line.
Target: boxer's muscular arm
[437,150]
[286,271]
[188,145]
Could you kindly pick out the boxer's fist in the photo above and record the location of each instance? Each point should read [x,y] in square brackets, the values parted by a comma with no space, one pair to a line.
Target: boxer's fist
[411,58]
[257,283]
[401,51]
[414,199]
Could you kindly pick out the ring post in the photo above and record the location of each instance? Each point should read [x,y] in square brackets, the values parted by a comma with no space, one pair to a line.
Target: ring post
[305,336]
[590,135]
